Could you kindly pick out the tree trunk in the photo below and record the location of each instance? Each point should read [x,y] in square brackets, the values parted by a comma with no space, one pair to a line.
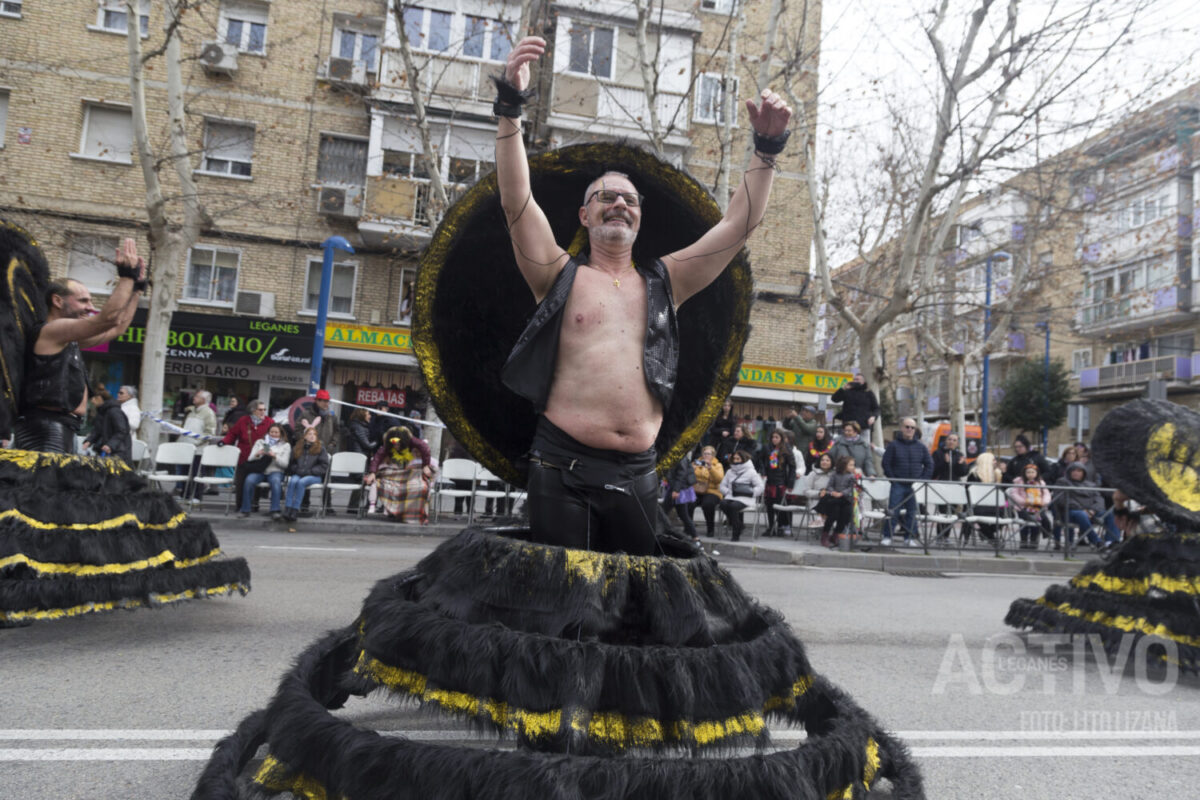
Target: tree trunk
[957,417]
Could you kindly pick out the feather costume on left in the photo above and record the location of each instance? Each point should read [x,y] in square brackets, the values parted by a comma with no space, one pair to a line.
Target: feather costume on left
[81,534]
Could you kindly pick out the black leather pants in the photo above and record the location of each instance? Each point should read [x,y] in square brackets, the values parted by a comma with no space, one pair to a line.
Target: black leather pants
[46,433]
[590,499]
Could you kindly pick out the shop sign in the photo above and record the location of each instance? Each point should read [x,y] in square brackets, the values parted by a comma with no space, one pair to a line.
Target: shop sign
[396,398]
[241,372]
[224,340]
[796,380]
[368,337]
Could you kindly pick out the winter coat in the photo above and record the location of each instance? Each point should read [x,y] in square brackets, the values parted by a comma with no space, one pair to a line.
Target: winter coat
[245,433]
[358,438]
[778,467]
[327,425]
[1030,497]
[132,413]
[709,477]
[305,462]
[111,428]
[742,473]
[842,482]
[680,476]
[801,430]
[1016,466]
[857,448]
[281,452]
[201,419]
[815,482]
[956,470]
[907,458]
[1082,495]
[858,403]
[728,445]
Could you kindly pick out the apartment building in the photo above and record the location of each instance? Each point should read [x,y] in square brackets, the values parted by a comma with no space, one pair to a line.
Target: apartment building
[301,122]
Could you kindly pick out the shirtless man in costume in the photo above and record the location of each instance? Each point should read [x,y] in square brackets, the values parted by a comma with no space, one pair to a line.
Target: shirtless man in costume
[598,359]
[54,394]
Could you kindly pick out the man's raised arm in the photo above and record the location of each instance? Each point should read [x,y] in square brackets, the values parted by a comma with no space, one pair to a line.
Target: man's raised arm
[698,264]
[118,311]
[538,256]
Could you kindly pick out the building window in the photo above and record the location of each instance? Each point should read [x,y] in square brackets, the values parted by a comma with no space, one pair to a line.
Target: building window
[427,29]
[720,6]
[228,148]
[403,164]
[244,25]
[487,38]
[3,115]
[1142,211]
[1080,360]
[90,261]
[10,8]
[1160,274]
[342,161]
[592,50]
[408,292]
[341,294]
[112,16]
[357,46]
[107,133]
[212,276]
[710,102]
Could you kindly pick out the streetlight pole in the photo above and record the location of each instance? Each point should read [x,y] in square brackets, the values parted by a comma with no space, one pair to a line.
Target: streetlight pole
[998,255]
[331,244]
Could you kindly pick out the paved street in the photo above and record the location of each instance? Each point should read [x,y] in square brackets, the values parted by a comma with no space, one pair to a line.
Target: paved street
[127,705]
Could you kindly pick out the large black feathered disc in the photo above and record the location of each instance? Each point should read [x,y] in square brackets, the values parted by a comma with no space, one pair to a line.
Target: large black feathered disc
[26,276]
[1150,449]
[472,303]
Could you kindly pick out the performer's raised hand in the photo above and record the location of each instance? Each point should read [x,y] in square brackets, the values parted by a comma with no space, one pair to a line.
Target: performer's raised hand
[128,261]
[771,117]
[528,50]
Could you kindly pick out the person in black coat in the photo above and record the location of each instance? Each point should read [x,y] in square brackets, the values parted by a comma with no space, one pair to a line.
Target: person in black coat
[1024,454]
[359,440]
[859,403]
[380,422]
[110,432]
[680,479]
[777,465]
[948,464]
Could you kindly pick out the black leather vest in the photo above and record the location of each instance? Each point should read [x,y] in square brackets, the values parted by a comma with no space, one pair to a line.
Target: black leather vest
[56,381]
[529,370]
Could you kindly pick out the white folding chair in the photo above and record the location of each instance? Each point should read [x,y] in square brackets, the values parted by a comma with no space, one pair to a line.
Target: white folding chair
[932,494]
[990,496]
[138,453]
[792,508]
[485,475]
[216,457]
[172,454]
[877,492]
[341,466]
[455,469]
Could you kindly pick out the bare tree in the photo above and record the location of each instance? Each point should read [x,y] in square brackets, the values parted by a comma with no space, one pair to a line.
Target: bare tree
[170,238]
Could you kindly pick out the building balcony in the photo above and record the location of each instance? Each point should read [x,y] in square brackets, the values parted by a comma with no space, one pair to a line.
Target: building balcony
[397,211]
[1133,310]
[1165,234]
[1131,375]
[601,108]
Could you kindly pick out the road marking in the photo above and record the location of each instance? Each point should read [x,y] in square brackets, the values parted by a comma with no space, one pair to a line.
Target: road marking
[1016,736]
[1094,751]
[107,754]
[110,735]
[302,547]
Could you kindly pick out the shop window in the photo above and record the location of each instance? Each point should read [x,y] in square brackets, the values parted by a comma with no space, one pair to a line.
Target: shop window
[244,24]
[90,261]
[342,161]
[112,16]
[341,295]
[107,133]
[710,103]
[228,149]
[212,276]
[592,49]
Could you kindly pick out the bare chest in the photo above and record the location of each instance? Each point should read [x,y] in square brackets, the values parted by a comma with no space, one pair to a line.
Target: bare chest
[598,308]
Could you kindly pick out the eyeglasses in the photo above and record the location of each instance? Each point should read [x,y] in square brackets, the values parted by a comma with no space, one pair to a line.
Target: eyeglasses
[607,196]
[909,427]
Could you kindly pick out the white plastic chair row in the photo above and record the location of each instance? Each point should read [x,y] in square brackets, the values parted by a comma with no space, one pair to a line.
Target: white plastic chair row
[464,469]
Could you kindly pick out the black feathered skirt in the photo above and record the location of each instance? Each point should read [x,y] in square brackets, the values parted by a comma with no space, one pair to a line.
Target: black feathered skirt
[1150,587]
[617,676]
[80,534]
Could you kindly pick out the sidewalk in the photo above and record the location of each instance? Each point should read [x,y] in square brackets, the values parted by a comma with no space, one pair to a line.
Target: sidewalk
[799,552]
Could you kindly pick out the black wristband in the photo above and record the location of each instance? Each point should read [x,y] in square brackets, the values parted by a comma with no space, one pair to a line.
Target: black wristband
[770,145]
[127,271]
[141,286]
[509,99]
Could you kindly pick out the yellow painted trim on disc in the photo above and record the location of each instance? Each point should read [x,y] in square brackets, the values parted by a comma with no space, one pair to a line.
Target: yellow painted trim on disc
[34,615]
[52,568]
[101,525]
[1137,586]
[1178,481]
[1121,622]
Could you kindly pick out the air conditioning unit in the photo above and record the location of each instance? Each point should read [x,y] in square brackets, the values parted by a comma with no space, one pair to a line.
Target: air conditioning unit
[219,57]
[340,201]
[255,304]
[347,70]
